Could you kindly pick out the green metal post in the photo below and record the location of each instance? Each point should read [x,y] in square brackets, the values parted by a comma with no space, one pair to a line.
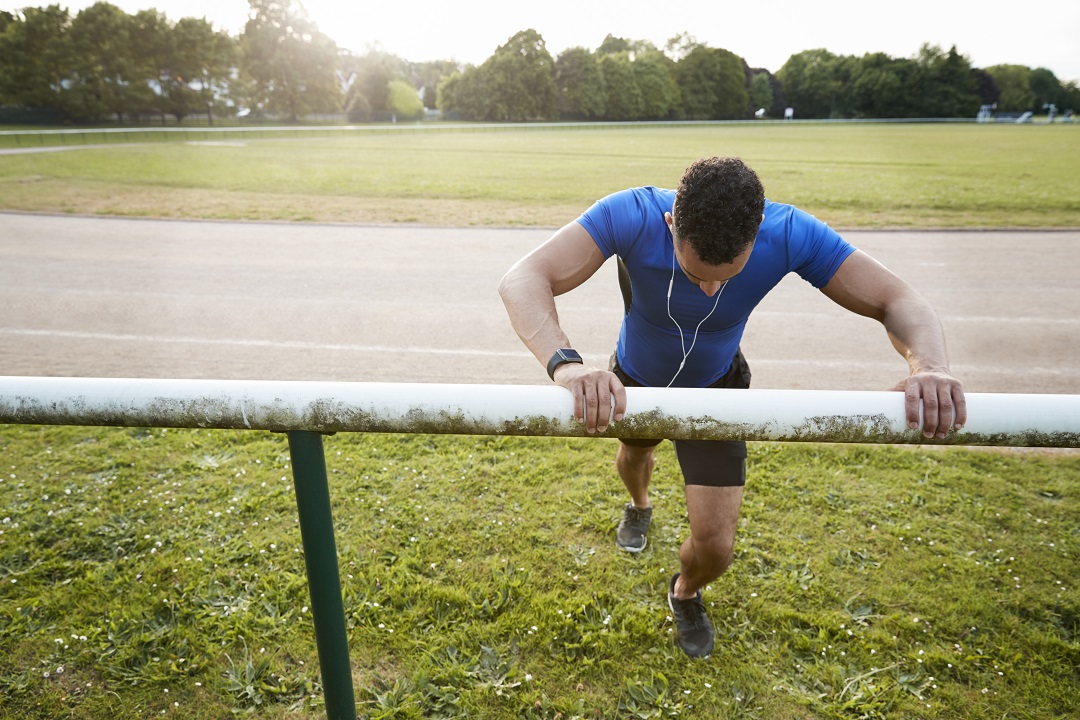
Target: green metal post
[324,583]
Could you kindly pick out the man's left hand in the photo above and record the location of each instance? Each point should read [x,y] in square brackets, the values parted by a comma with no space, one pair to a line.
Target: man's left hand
[942,398]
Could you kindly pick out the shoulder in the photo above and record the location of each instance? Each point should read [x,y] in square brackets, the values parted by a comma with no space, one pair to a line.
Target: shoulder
[789,221]
[807,245]
[644,201]
[618,220]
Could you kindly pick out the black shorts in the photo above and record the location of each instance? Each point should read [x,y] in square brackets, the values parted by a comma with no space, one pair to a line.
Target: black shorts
[715,463]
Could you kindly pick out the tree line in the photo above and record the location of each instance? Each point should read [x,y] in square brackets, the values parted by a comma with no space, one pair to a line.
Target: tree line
[103,64]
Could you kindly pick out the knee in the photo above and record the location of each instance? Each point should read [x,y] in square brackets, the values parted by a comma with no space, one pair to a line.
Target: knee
[635,457]
[715,551]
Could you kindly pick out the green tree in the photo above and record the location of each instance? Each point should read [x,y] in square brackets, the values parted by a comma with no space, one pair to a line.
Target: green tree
[1047,89]
[1014,82]
[622,96]
[515,84]
[616,45]
[694,74]
[522,79]
[34,57]
[291,64]
[357,108]
[581,85]
[654,74]
[612,45]
[102,84]
[404,101]
[813,83]
[944,85]
[987,89]
[880,87]
[160,88]
[204,59]
[761,92]
[460,95]
[428,75]
[1070,96]
[679,46]
[714,84]
[374,71]
[732,87]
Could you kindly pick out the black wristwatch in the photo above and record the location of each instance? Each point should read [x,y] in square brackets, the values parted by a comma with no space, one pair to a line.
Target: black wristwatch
[562,356]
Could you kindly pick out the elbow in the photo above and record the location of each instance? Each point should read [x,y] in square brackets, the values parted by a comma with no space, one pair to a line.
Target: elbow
[505,283]
[510,286]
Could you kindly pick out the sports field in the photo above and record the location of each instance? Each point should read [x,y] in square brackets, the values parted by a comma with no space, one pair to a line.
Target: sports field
[853,175]
[148,573]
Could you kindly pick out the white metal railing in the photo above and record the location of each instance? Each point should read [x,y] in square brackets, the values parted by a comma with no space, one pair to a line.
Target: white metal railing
[781,415]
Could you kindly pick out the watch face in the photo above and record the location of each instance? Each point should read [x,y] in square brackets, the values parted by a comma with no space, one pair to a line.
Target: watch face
[569,355]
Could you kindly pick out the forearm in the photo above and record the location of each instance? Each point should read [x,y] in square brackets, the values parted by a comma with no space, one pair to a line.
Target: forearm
[530,304]
[915,331]
[864,286]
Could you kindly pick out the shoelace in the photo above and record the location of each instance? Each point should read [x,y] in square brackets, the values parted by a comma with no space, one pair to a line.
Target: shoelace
[694,611]
[636,517]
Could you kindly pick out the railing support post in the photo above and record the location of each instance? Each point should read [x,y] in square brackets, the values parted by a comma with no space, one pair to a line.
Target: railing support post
[324,582]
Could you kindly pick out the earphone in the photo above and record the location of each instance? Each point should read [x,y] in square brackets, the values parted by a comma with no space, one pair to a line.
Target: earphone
[682,337]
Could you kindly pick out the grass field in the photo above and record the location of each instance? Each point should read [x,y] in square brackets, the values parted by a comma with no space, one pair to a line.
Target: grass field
[852,175]
[147,572]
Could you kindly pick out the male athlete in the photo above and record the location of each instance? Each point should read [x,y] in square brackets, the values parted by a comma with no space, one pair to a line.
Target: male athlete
[697,261]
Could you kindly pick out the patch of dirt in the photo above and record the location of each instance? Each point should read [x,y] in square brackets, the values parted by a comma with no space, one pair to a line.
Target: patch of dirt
[89,198]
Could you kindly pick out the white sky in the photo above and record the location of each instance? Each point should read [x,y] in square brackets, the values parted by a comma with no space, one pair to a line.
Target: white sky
[1045,33]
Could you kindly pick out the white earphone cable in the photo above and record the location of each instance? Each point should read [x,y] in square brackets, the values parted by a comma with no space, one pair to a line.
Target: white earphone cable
[682,337]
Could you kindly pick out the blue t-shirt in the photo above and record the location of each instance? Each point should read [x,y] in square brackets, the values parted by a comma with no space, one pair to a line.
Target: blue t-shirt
[631,224]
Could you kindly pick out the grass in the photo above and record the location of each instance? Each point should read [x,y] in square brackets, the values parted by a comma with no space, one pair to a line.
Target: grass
[159,573]
[852,175]
[149,572]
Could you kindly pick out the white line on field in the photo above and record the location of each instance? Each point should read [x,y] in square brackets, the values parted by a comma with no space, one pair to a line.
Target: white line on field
[286,344]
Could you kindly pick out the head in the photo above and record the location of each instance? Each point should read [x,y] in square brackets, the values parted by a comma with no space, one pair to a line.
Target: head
[718,209]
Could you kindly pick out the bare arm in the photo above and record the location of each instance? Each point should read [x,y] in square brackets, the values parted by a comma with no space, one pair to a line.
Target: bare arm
[528,290]
[864,286]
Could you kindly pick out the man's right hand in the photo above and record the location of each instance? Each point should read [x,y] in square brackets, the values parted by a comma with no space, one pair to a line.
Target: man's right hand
[593,390]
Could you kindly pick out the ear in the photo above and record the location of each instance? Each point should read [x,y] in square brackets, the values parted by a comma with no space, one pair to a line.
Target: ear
[669,220]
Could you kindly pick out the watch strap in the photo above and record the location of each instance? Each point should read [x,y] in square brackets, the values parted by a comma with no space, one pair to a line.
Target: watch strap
[561,357]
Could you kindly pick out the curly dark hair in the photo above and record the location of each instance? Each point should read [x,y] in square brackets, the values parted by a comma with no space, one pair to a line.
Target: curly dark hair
[718,208]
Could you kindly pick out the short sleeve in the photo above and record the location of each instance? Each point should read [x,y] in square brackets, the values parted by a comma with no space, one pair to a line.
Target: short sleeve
[614,222]
[816,251]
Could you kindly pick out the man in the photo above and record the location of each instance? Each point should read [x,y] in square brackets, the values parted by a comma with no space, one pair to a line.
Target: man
[697,261]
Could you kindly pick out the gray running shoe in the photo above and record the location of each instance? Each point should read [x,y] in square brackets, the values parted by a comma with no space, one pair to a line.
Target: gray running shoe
[631,535]
[693,631]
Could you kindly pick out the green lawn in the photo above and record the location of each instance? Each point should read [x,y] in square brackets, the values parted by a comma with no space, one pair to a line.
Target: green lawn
[852,175]
[150,572]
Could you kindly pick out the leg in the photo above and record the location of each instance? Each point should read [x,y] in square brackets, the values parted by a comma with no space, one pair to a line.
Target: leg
[635,465]
[707,553]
